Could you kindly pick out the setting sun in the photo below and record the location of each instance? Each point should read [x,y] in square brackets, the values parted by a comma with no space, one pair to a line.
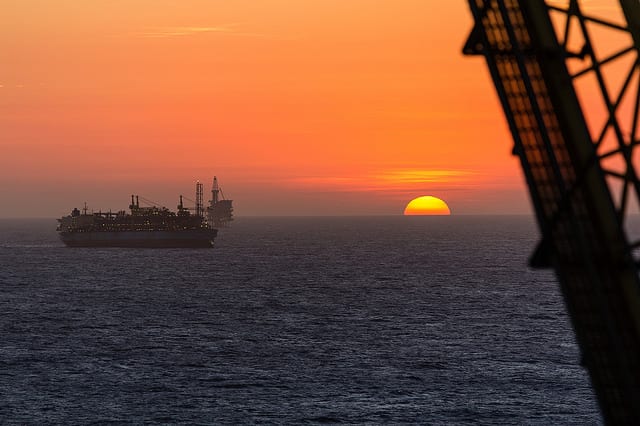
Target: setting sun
[427,205]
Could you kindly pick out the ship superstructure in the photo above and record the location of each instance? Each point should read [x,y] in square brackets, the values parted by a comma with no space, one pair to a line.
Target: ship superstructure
[152,226]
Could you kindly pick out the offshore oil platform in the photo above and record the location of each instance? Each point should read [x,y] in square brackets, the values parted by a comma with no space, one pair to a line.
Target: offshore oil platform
[567,74]
[152,226]
[220,210]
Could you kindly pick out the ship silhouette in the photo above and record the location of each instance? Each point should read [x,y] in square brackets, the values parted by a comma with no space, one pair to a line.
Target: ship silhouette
[149,226]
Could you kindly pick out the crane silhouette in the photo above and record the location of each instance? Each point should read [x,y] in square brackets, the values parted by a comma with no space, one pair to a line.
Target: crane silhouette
[568,78]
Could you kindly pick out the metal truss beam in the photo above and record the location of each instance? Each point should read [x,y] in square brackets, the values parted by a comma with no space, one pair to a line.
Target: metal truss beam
[564,163]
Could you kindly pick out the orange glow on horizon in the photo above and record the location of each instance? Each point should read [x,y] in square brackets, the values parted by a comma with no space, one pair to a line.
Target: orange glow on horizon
[427,206]
[331,106]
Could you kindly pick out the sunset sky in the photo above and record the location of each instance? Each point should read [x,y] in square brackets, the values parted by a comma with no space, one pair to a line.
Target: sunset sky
[315,107]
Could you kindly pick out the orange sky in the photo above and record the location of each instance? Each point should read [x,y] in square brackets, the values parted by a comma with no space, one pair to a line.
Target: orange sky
[299,107]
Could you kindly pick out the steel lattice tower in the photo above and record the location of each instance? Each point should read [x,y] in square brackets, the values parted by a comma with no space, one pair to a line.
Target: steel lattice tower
[568,78]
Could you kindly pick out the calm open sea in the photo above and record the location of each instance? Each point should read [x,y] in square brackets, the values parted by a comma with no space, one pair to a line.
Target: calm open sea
[431,320]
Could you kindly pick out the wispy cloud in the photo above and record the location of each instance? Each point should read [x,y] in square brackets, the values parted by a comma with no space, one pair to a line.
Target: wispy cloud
[166,32]
[169,32]
[398,179]
[414,176]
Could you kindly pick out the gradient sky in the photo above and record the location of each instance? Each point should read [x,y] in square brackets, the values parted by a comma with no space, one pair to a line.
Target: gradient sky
[324,107]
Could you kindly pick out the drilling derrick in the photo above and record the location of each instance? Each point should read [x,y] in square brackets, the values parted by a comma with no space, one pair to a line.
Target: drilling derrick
[199,200]
[571,98]
[215,190]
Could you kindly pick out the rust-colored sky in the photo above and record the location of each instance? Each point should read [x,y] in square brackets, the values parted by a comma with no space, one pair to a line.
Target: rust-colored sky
[300,107]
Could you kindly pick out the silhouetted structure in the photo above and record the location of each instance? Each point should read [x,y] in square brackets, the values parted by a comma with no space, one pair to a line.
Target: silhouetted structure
[220,210]
[547,65]
[153,226]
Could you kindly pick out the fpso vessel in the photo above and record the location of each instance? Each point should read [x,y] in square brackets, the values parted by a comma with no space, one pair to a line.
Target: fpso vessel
[142,227]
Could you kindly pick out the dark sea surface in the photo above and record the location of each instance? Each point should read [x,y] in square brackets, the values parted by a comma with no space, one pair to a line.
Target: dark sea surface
[430,320]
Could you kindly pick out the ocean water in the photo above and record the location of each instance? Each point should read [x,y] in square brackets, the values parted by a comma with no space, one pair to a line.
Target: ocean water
[428,320]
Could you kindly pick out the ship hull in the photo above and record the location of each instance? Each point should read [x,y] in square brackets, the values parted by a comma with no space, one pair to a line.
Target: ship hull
[192,238]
